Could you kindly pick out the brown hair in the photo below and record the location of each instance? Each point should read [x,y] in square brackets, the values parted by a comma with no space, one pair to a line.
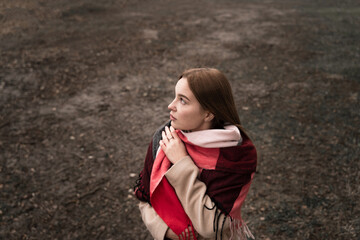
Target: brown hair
[213,91]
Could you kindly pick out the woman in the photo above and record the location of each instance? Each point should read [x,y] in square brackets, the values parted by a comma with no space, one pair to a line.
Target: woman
[199,165]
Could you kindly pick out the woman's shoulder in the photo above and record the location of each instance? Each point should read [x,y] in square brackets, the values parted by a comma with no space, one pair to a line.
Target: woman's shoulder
[158,131]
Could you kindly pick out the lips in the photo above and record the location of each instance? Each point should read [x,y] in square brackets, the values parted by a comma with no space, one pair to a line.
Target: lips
[172,118]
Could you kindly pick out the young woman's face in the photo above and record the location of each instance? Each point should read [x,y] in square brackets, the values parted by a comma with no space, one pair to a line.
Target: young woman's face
[186,113]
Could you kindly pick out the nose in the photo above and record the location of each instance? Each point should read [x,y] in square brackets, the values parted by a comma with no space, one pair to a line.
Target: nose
[172,106]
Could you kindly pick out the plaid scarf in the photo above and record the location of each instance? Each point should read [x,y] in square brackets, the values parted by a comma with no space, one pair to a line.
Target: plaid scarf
[227,167]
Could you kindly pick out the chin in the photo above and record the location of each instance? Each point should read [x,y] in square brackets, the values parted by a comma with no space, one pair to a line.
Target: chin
[174,125]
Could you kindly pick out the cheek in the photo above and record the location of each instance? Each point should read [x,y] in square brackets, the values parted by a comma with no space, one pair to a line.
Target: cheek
[191,114]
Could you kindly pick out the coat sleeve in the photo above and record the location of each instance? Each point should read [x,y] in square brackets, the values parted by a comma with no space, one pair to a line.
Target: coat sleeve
[156,226]
[206,218]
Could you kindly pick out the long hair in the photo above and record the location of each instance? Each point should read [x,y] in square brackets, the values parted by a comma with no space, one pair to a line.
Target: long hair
[213,91]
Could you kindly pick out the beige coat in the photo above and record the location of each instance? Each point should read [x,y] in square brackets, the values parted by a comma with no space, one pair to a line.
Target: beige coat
[183,176]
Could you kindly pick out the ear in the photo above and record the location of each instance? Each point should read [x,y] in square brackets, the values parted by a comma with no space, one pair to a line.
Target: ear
[209,117]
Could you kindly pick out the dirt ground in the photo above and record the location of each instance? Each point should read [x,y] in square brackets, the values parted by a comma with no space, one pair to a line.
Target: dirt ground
[83,85]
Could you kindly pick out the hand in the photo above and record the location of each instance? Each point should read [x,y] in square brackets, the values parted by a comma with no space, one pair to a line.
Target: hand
[188,234]
[171,235]
[172,145]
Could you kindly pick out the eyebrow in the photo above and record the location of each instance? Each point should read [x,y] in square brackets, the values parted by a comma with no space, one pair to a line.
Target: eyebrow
[182,95]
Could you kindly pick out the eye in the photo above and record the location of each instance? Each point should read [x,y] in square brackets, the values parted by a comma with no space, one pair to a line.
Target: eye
[182,101]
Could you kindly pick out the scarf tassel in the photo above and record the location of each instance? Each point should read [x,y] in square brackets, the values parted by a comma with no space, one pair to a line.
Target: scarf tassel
[185,235]
[240,230]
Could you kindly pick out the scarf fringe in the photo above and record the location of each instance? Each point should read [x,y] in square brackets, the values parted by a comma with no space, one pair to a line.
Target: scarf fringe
[185,235]
[239,230]
[140,192]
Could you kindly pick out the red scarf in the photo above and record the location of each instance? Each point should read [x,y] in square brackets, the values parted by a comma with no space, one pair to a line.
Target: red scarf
[227,173]
[166,203]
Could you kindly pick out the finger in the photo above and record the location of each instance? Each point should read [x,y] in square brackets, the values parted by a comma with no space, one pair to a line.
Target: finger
[164,138]
[168,133]
[174,133]
[162,145]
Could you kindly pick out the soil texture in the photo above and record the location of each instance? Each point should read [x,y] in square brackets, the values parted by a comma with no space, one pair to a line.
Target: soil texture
[84,84]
